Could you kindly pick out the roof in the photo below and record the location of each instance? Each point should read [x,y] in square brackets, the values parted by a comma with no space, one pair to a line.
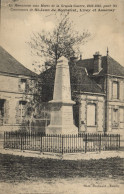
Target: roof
[80,82]
[9,65]
[81,76]
[109,65]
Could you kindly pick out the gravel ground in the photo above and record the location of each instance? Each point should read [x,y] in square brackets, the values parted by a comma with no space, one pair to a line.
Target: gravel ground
[71,156]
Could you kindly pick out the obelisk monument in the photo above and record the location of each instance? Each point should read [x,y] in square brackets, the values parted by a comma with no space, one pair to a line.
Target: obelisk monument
[62,106]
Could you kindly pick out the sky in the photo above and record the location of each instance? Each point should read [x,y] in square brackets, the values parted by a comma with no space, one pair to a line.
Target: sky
[106,28]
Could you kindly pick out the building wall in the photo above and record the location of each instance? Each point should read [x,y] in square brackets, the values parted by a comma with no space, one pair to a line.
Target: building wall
[11,91]
[84,114]
[115,107]
[9,84]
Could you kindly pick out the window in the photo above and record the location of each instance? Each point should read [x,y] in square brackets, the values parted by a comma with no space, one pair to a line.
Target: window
[115,118]
[115,90]
[1,111]
[22,110]
[91,114]
[121,118]
[22,85]
[121,115]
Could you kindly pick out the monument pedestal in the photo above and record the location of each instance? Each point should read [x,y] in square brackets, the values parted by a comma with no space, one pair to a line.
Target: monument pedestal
[61,118]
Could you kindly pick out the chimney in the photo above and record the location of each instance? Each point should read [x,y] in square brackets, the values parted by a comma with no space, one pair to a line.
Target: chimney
[74,59]
[97,62]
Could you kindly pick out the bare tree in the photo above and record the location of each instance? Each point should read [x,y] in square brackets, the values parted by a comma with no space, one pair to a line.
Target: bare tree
[62,41]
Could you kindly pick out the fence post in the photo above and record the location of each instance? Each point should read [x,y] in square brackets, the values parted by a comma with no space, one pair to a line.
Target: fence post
[4,139]
[21,141]
[116,141]
[110,143]
[99,142]
[119,140]
[85,142]
[40,142]
[10,146]
[62,144]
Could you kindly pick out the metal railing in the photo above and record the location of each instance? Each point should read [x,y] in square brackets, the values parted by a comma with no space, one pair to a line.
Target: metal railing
[42,142]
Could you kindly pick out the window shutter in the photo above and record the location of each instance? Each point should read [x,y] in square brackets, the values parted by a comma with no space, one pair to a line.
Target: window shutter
[19,85]
[27,86]
[115,90]
[22,85]
[17,113]
[91,114]
[6,112]
[121,115]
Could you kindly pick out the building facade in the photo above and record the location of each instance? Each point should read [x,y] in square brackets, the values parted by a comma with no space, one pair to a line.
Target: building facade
[109,75]
[97,86]
[115,104]
[15,81]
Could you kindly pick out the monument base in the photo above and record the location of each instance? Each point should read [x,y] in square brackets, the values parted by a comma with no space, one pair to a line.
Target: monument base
[63,130]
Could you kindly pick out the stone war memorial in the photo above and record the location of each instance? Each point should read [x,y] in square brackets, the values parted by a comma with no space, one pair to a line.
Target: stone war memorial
[62,106]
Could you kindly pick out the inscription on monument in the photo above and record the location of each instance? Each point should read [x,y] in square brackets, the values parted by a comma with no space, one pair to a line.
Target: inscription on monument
[62,111]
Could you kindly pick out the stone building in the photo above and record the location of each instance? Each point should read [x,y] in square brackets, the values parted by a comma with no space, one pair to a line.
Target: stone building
[109,76]
[15,80]
[97,86]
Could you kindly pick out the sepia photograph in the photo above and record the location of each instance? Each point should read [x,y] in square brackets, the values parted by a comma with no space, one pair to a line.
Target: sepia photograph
[61,96]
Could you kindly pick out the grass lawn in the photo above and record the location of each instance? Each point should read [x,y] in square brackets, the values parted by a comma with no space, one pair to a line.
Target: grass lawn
[20,169]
